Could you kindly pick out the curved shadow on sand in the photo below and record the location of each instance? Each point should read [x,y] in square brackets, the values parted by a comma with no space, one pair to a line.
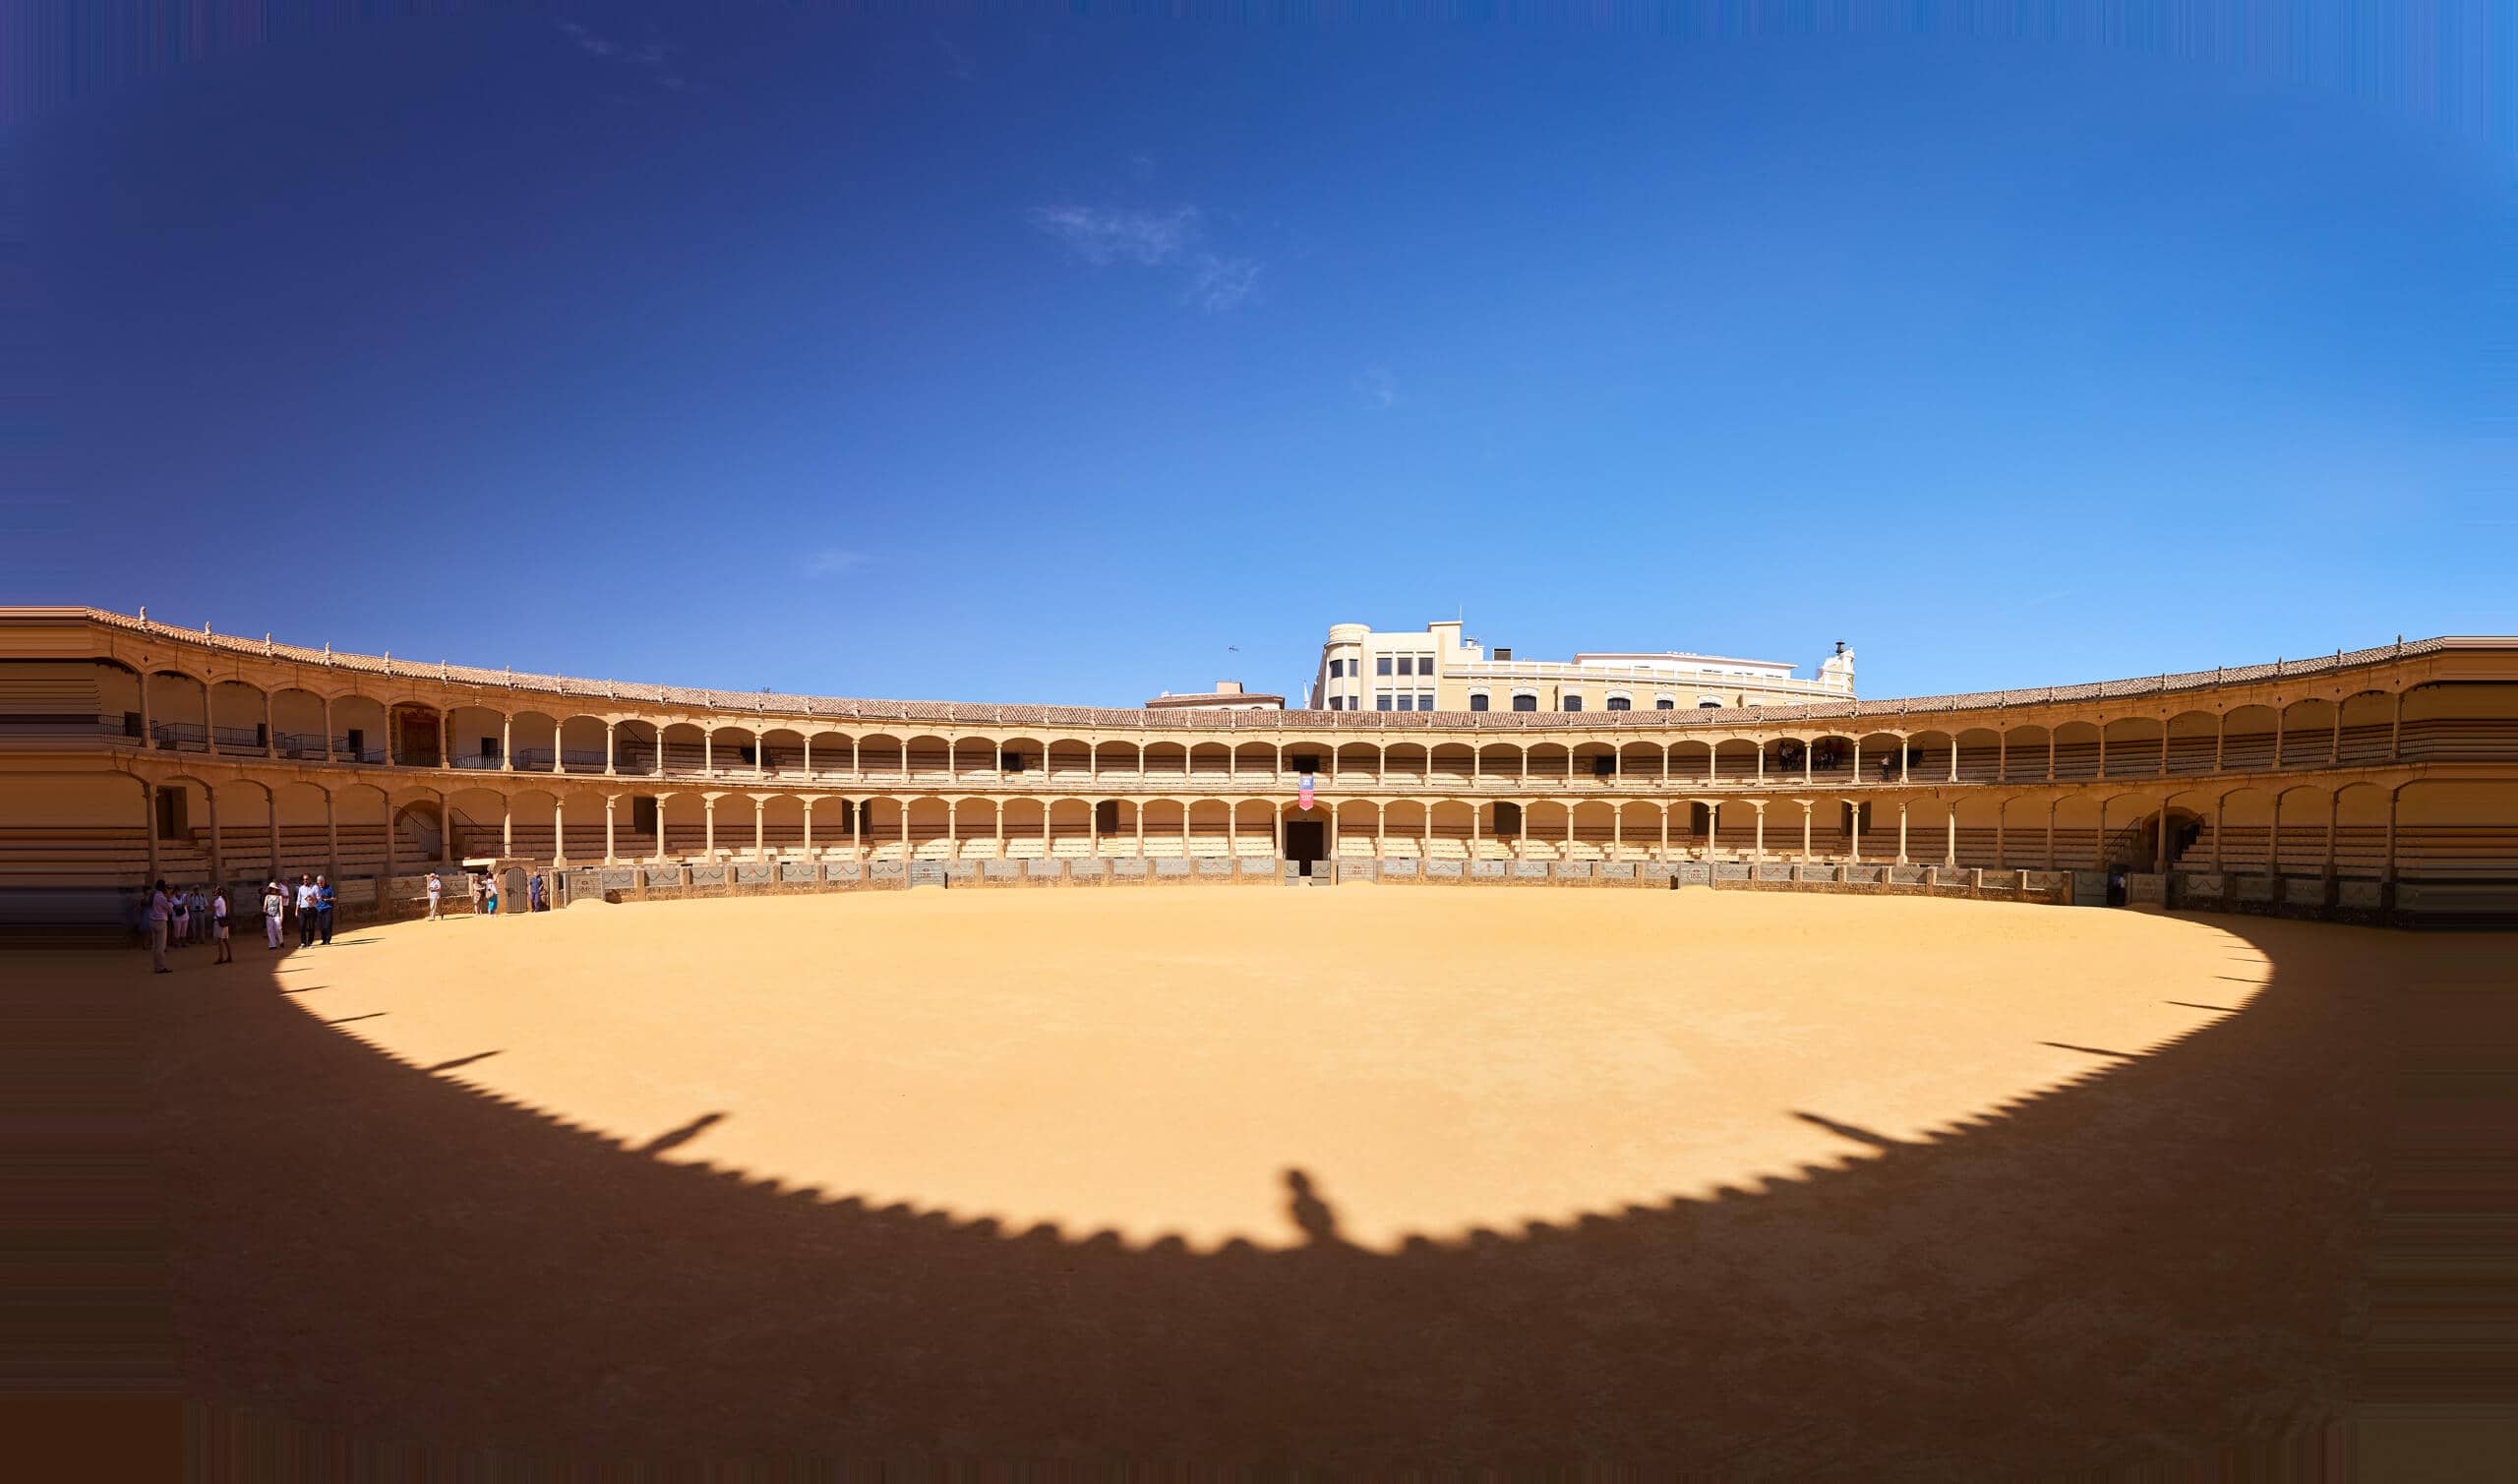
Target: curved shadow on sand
[2143,1262]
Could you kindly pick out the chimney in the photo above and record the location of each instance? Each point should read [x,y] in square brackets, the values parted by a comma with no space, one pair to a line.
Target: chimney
[1228,688]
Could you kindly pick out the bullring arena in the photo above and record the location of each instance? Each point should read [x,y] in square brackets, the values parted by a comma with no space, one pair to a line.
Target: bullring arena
[1761,1094]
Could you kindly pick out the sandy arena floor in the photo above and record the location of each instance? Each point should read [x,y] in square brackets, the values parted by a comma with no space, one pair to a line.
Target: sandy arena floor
[1154,1063]
[1738,1185]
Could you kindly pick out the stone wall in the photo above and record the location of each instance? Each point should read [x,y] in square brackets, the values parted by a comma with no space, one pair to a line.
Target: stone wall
[2343,899]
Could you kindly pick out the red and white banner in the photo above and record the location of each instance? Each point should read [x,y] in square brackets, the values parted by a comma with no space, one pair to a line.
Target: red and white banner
[1305,796]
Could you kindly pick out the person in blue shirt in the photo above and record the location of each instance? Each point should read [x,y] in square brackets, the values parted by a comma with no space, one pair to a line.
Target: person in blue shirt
[323,909]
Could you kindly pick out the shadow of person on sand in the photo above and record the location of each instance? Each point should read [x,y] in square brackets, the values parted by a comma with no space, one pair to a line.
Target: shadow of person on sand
[2147,1261]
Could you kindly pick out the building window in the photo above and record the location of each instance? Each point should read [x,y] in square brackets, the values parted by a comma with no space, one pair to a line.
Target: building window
[1523,700]
[1009,762]
[1381,702]
[1382,665]
[1620,703]
[1604,765]
[1424,700]
[1708,703]
[1573,703]
[1477,700]
[1664,703]
[1408,703]
[1304,762]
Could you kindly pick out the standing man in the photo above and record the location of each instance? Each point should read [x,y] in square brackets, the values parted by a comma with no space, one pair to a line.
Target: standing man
[274,902]
[159,910]
[323,909]
[534,901]
[435,889]
[305,910]
[219,928]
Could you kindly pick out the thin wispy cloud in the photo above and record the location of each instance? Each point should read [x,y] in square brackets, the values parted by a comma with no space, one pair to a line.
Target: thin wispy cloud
[1172,239]
[1100,235]
[651,56]
[1219,283]
[831,562]
[1378,390]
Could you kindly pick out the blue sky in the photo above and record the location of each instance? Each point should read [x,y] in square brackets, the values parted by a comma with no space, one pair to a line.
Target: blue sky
[1056,357]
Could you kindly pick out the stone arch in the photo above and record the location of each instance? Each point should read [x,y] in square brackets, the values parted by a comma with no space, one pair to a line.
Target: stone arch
[534,738]
[1638,832]
[2077,823]
[1210,761]
[1070,824]
[831,822]
[972,757]
[2024,753]
[1166,762]
[239,717]
[782,754]
[2360,815]
[832,752]
[2191,738]
[1254,825]
[2246,738]
[781,819]
[476,738]
[2134,746]
[1544,824]
[1354,825]
[2300,819]
[883,757]
[2077,753]
[975,820]
[2237,836]
[177,702]
[730,749]
[2309,736]
[1980,754]
[1020,757]
[297,724]
[1211,827]
[1123,759]
[1166,824]
[2368,726]
[930,819]
[1585,759]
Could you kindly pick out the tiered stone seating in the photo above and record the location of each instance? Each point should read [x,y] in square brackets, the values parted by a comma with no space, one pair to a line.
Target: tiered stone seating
[2473,740]
[41,856]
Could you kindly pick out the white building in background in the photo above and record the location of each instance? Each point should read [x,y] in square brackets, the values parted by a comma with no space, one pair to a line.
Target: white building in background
[1363,669]
[1227,697]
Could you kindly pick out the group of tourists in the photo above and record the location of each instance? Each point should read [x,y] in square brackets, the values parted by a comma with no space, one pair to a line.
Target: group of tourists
[485,895]
[178,917]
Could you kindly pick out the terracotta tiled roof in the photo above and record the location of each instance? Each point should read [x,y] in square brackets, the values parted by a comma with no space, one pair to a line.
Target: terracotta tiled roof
[980,713]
